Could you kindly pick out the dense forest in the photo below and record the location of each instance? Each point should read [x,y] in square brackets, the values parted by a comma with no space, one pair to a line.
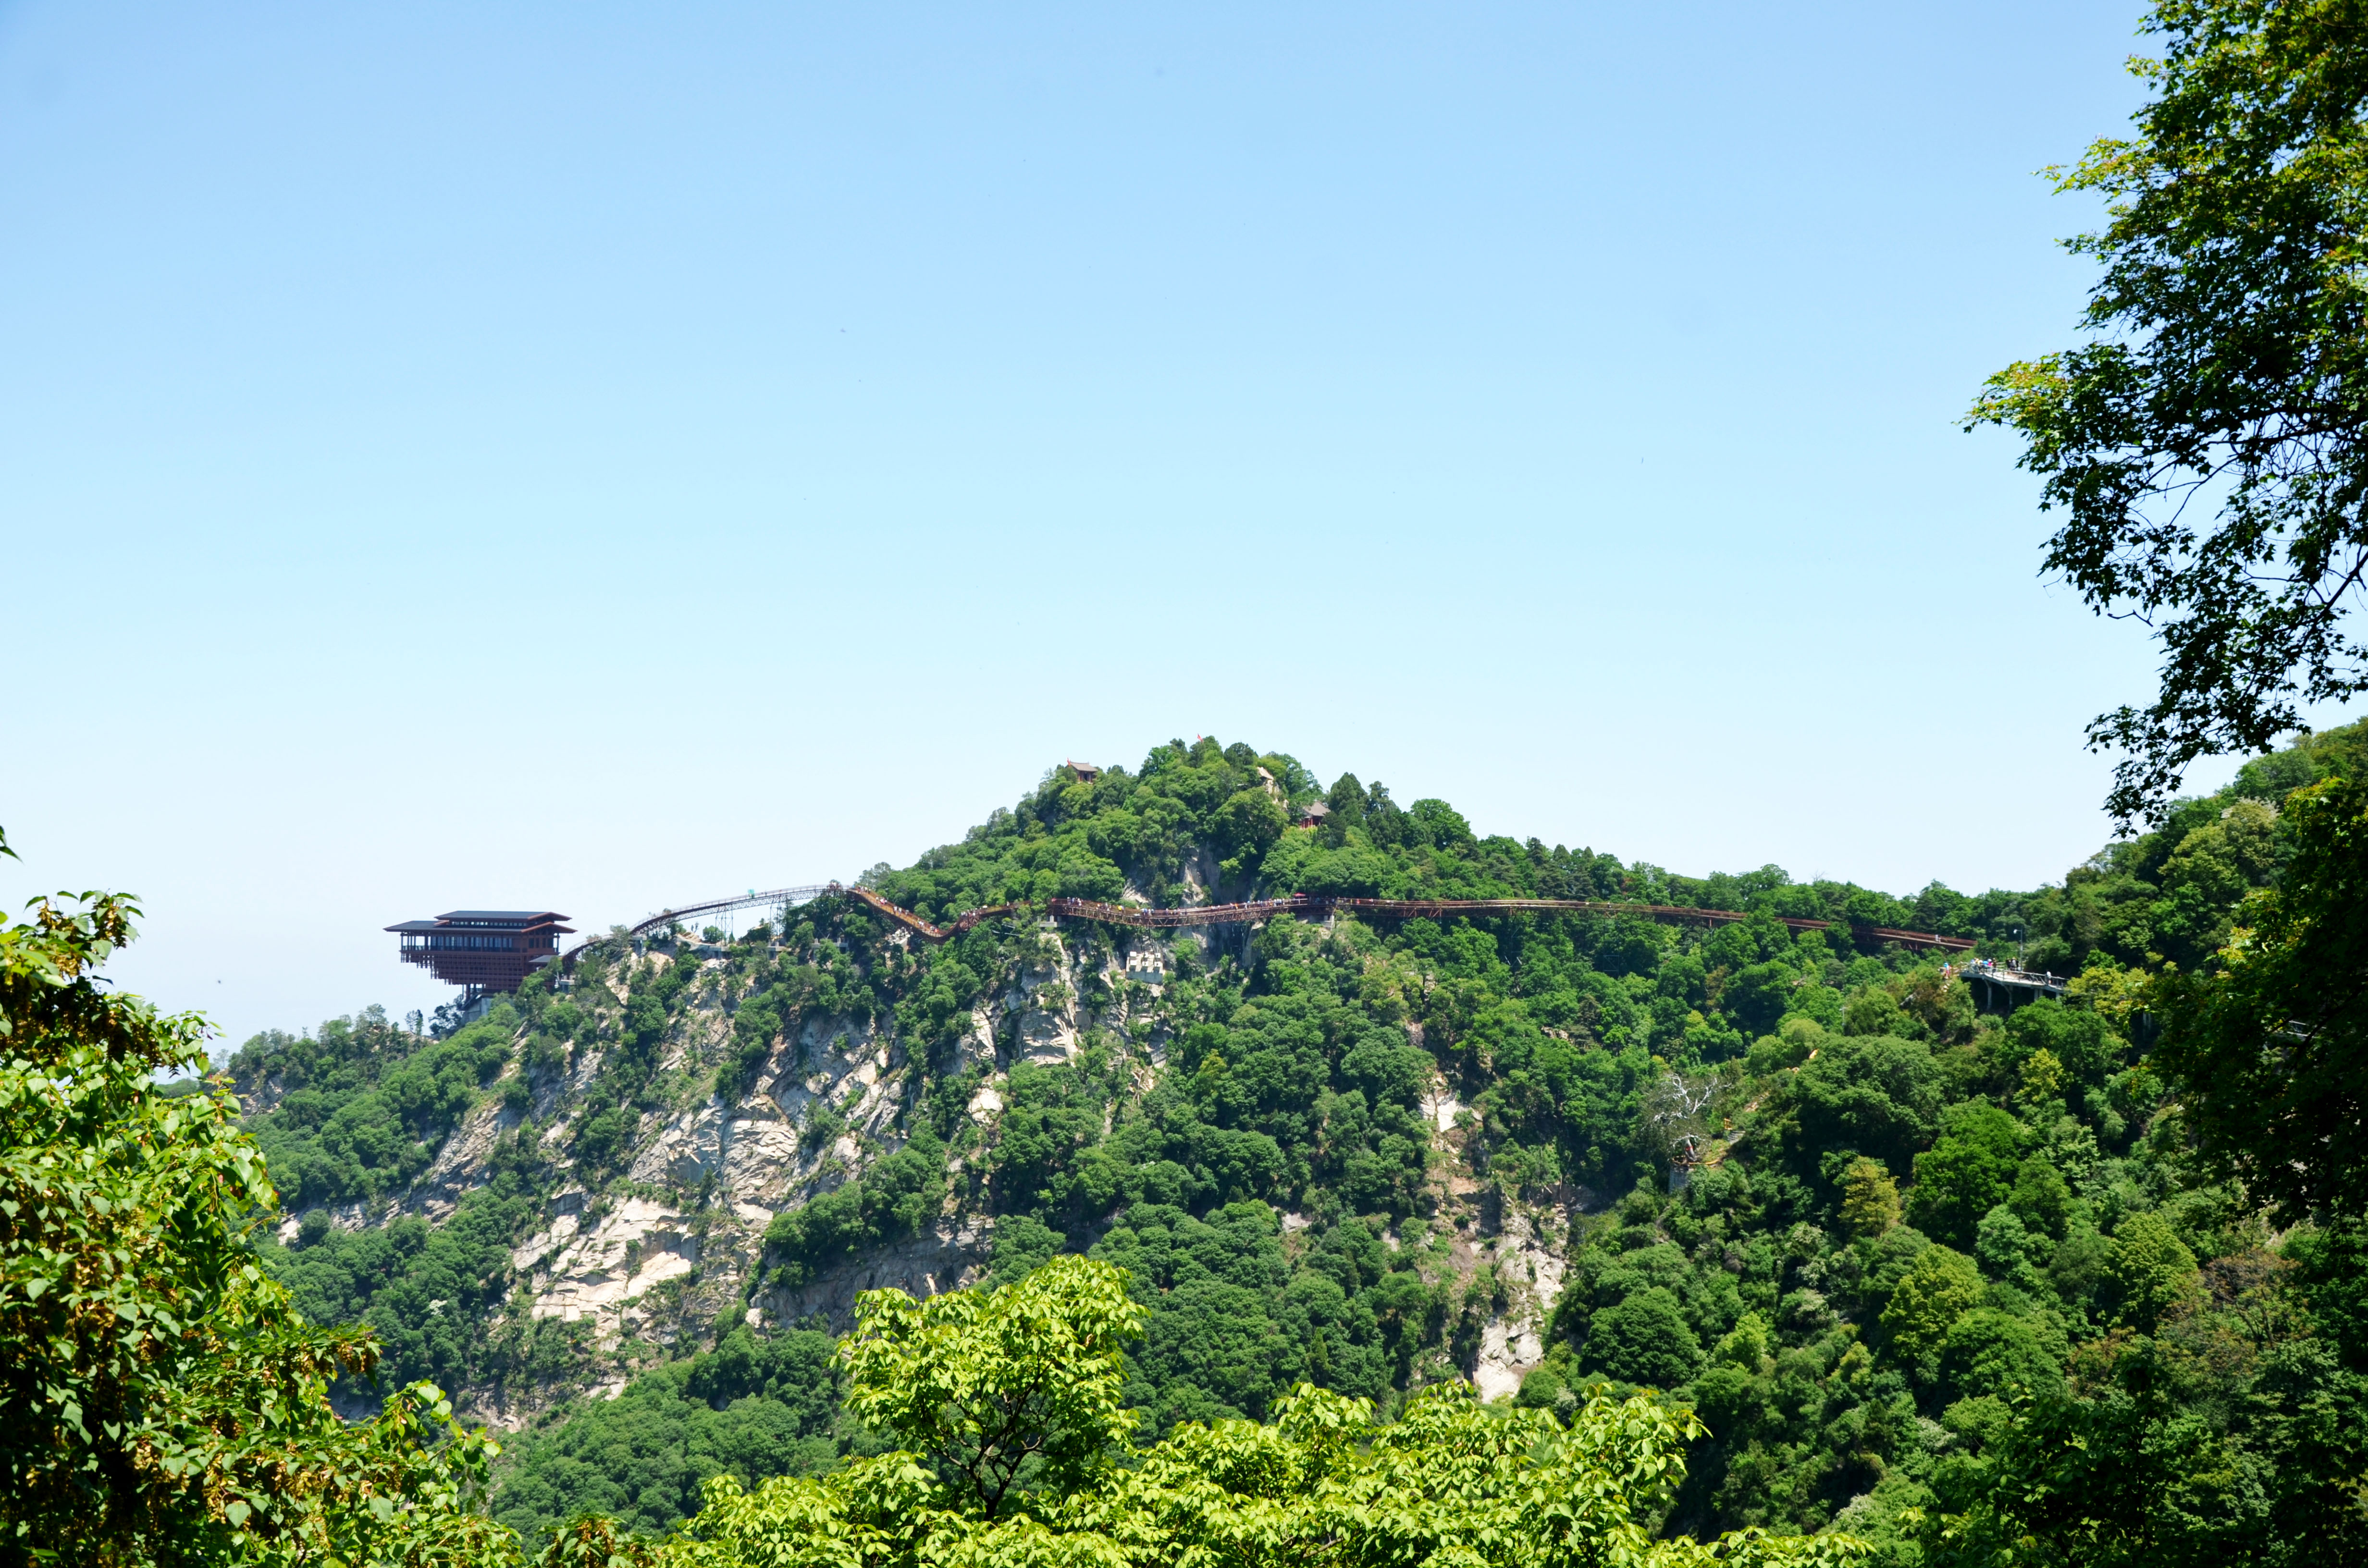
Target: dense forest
[1916,1238]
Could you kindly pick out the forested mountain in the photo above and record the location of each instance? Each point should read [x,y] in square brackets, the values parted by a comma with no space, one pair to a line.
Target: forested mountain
[624,1212]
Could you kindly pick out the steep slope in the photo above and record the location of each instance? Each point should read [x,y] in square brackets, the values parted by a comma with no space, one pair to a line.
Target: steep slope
[1366,1156]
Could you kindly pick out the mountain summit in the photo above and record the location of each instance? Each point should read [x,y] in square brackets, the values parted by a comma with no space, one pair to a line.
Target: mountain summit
[1791,1171]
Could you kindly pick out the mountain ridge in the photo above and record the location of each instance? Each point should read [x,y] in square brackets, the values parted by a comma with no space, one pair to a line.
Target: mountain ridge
[1371,1154]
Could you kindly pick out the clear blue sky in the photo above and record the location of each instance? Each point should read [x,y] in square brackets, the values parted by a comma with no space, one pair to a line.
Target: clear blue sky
[594,457]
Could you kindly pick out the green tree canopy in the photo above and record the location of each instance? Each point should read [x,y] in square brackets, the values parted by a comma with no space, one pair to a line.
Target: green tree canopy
[160,1401]
[1643,1339]
[989,1387]
[1451,1481]
[2272,1041]
[1941,1286]
[2210,442]
[1967,1172]
[1877,1093]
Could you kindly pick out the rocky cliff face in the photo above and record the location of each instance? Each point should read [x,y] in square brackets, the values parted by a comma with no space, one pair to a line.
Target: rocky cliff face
[643,1253]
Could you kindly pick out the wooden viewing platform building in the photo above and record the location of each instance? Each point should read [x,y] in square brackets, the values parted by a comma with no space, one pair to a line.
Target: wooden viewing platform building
[483,950]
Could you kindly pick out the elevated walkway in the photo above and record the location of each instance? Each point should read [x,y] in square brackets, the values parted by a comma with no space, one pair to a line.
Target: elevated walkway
[1303,905]
[2002,988]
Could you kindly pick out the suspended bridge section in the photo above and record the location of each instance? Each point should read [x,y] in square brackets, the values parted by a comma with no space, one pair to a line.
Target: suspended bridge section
[1304,906]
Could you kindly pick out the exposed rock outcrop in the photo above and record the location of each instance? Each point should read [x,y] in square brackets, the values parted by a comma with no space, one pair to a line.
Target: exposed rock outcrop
[673,1235]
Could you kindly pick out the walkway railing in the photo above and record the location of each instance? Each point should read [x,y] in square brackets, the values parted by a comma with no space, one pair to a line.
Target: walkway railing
[2020,978]
[1304,905]
[781,898]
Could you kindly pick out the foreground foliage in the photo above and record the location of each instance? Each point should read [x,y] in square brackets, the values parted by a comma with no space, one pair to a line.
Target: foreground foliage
[160,1399]
[2209,443]
[1007,1404]
[2270,1039]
